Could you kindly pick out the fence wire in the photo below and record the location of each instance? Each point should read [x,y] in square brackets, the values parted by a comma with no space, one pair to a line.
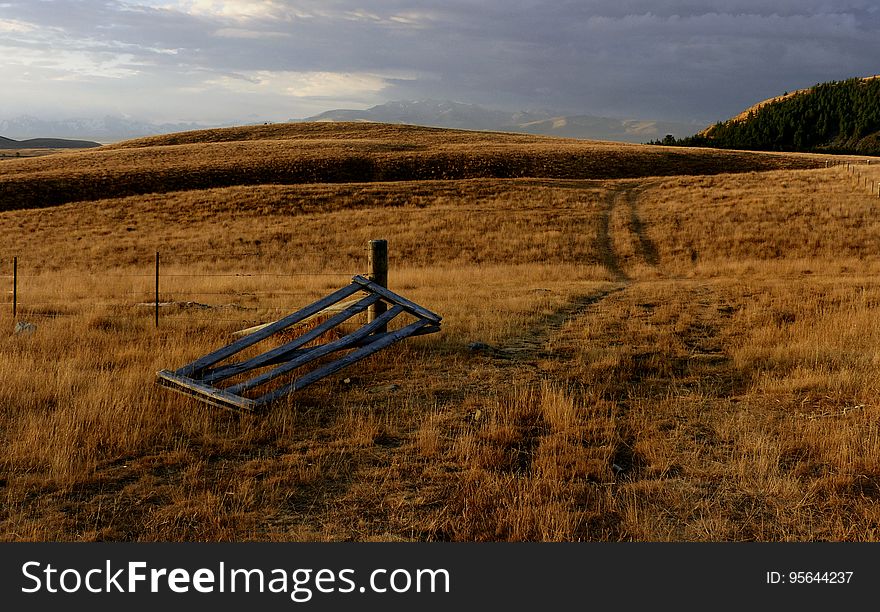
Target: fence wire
[160,297]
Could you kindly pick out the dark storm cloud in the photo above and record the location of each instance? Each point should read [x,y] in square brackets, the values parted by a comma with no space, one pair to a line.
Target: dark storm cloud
[677,60]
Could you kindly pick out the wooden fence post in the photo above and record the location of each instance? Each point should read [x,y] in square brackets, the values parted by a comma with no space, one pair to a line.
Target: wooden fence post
[14,288]
[378,262]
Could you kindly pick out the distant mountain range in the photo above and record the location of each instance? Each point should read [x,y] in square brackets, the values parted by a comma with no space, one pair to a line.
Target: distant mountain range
[431,113]
[437,113]
[46,143]
[104,130]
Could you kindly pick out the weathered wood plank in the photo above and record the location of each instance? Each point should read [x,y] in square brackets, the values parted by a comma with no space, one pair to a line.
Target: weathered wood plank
[326,349]
[243,343]
[288,348]
[221,373]
[211,395]
[365,351]
[338,307]
[397,299]
[428,329]
[387,339]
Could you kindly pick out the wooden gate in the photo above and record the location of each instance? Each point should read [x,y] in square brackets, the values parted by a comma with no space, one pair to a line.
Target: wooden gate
[201,378]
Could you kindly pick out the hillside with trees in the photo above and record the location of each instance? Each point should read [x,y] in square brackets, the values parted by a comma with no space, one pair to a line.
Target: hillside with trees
[834,117]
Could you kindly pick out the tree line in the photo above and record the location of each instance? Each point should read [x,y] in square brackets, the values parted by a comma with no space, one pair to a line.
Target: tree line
[834,117]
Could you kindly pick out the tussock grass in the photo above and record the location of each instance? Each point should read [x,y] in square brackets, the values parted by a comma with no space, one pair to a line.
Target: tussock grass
[774,216]
[661,358]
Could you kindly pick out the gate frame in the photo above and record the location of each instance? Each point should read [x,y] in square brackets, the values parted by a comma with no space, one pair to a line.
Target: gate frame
[199,378]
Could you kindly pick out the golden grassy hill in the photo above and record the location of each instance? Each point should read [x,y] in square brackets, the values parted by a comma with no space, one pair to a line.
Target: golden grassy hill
[668,357]
[344,153]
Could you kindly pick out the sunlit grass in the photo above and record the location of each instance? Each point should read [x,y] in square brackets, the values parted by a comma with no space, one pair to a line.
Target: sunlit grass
[686,358]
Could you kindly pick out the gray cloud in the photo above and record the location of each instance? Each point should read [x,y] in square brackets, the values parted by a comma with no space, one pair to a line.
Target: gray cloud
[274,59]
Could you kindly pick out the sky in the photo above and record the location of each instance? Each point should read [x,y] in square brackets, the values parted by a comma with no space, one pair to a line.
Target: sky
[232,61]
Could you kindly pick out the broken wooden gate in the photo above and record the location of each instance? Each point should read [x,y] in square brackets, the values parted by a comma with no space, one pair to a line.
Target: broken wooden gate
[202,377]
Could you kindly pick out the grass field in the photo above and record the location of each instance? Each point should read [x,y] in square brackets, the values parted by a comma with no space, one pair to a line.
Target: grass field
[10,154]
[677,344]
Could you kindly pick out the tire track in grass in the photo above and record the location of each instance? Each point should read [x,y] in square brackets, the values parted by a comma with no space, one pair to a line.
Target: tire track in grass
[534,342]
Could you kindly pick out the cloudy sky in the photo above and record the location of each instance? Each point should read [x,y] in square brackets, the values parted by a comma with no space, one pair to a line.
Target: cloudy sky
[217,61]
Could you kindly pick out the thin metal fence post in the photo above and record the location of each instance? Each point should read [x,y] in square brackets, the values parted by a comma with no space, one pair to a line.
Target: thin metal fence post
[157,288]
[14,288]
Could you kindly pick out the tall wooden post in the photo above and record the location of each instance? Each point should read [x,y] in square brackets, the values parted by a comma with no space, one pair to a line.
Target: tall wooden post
[14,287]
[378,262]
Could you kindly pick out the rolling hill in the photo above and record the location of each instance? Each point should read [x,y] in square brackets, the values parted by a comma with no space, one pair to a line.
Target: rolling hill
[46,143]
[346,152]
[834,117]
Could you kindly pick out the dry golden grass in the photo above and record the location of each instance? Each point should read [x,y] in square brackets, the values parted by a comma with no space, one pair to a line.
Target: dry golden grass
[680,358]
[342,153]
[9,154]
[775,216]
